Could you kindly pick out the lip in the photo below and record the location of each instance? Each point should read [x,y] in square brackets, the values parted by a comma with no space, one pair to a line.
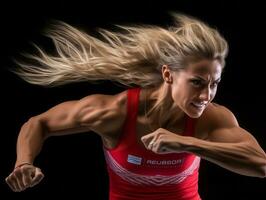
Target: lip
[199,106]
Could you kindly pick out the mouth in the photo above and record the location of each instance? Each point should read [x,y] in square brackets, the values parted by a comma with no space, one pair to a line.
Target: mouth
[199,105]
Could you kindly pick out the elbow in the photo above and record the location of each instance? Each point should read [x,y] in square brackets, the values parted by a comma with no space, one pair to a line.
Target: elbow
[256,171]
[259,163]
[263,174]
[257,166]
[35,123]
[262,169]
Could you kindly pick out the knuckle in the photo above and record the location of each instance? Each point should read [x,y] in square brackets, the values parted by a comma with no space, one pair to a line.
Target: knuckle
[159,130]
[24,170]
[17,173]
[12,178]
[7,179]
[160,137]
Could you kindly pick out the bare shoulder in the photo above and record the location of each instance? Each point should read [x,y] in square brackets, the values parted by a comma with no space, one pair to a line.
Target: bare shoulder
[215,116]
[102,101]
[104,114]
[219,115]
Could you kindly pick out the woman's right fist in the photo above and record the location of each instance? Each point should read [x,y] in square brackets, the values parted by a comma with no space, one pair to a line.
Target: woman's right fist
[23,177]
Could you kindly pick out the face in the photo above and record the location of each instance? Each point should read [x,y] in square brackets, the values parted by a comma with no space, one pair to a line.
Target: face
[194,87]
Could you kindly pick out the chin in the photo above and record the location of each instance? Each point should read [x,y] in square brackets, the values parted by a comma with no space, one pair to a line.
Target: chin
[194,114]
[193,111]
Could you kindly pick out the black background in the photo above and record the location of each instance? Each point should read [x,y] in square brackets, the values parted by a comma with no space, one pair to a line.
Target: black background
[74,165]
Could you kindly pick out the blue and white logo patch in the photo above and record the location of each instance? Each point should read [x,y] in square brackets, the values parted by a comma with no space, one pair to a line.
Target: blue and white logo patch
[134,159]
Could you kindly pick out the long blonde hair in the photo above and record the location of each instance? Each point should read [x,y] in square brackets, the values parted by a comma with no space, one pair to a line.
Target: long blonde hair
[133,55]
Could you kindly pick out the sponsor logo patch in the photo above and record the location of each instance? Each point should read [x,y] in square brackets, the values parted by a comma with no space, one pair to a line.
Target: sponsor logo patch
[134,159]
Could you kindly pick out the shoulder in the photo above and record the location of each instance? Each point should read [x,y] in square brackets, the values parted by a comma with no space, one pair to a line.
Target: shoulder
[102,100]
[215,116]
[103,113]
[216,113]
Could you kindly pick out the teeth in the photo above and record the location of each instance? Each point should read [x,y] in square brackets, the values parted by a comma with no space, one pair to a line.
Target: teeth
[199,105]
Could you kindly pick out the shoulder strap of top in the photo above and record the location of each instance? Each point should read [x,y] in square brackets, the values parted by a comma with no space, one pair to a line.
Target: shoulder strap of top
[129,127]
[132,104]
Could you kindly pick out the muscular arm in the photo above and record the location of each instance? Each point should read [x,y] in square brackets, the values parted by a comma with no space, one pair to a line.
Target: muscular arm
[244,156]
[229,145]
[99,113]
[225,143]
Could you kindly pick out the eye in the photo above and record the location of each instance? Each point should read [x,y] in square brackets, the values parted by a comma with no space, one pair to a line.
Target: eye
[214,84]
[196,82]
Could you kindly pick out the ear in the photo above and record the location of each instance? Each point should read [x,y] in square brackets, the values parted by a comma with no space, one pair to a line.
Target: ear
[167,74]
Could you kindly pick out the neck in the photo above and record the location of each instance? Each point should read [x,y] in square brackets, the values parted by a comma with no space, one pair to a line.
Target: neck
[161,114]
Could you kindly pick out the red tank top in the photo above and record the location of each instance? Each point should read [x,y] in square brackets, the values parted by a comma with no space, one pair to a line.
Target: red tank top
[136,173]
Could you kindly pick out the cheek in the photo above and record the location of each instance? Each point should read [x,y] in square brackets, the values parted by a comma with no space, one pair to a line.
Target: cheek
[181,93]
[213,93]
[176,94]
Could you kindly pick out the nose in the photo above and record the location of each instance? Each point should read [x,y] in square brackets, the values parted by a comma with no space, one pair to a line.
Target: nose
[205,94]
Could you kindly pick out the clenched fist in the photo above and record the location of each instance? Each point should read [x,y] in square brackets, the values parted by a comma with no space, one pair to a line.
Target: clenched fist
[23,177]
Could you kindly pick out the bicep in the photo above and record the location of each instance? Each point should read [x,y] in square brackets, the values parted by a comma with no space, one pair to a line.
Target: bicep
[230,135]
[225,128]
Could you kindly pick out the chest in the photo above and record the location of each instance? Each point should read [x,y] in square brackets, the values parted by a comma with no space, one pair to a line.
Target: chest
[144,127]
[134,156]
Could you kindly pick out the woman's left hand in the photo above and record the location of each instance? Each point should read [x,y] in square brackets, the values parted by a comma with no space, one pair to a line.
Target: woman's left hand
[163,141]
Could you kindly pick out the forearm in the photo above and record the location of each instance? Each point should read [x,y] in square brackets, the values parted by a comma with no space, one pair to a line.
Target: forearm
[29,141]
[243,157]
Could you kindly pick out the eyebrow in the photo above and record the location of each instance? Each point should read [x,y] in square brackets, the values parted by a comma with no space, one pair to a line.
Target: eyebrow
[203,79]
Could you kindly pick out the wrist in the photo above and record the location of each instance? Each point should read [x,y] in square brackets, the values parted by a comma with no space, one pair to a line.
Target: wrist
[17,165]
